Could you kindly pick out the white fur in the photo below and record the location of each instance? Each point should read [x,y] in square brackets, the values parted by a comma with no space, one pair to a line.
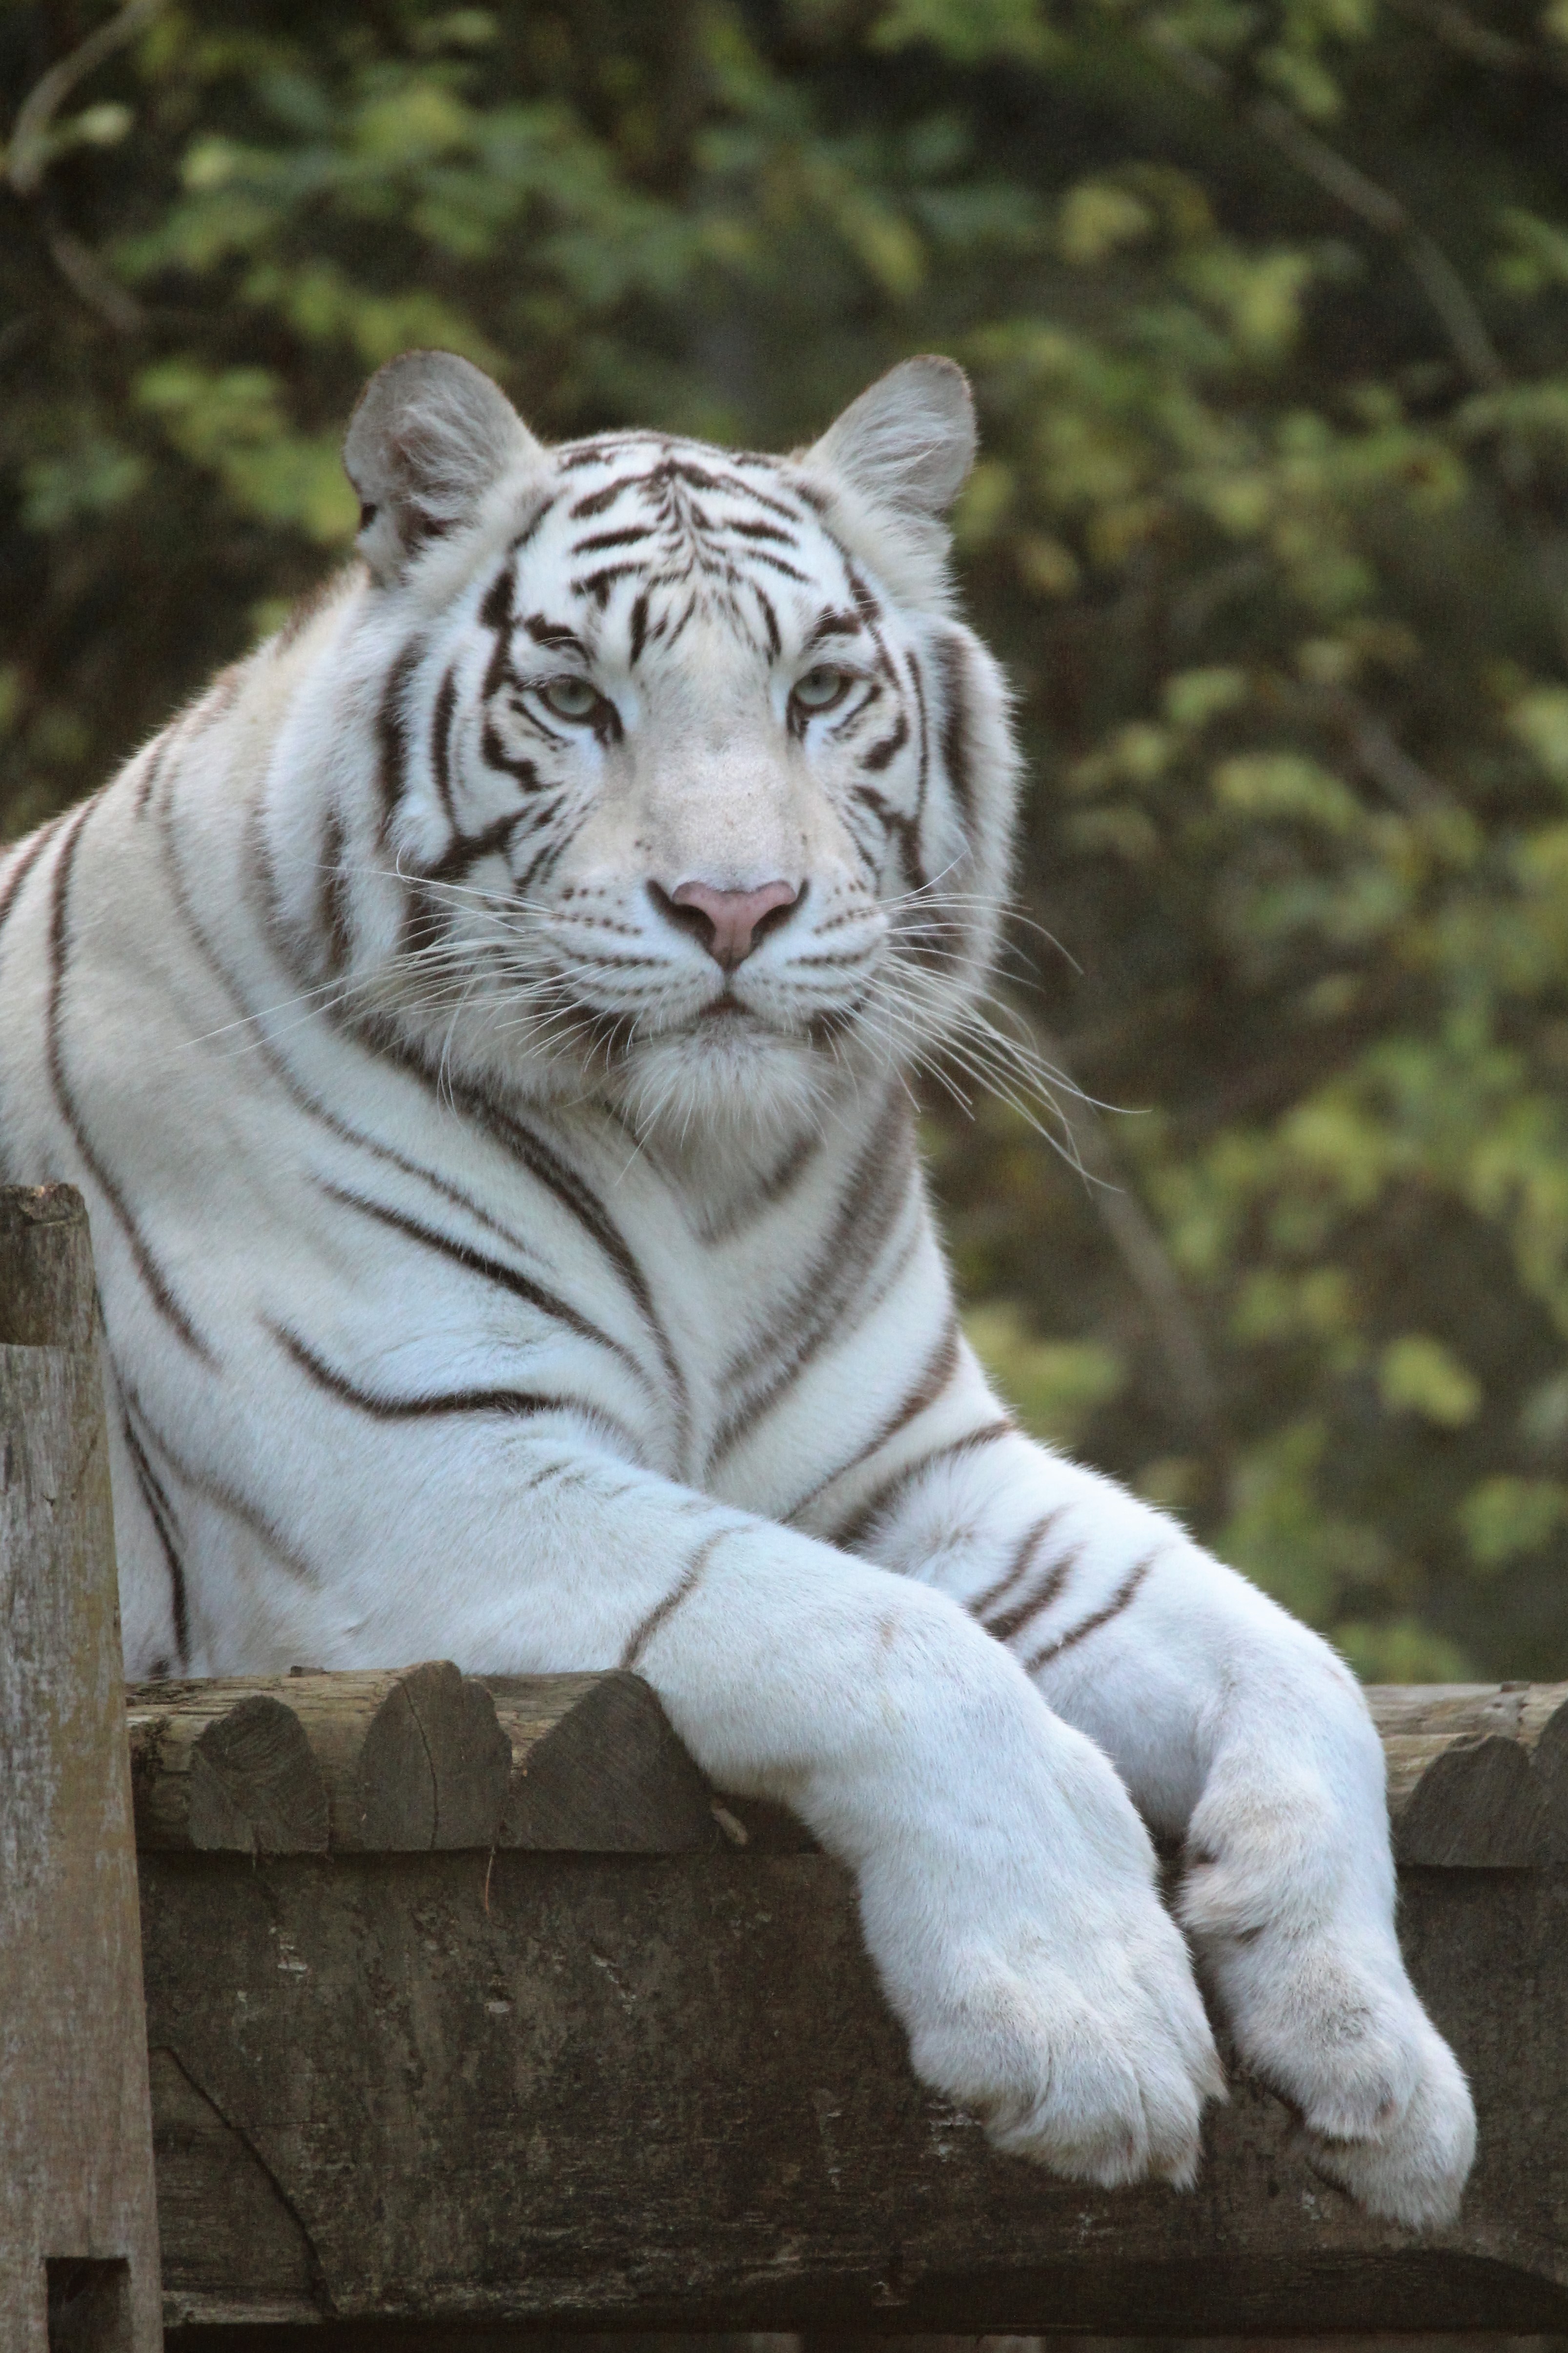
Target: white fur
[472,1288]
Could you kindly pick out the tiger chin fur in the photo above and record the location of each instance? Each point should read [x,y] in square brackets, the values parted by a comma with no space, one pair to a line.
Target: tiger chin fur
[480,1026]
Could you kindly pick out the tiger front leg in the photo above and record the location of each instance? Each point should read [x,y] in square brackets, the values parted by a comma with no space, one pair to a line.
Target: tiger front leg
[1241,1734]
[1007,1888]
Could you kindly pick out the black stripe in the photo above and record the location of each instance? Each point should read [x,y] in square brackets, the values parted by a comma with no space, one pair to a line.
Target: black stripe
[529,529]
[496,613]
[918,682]
[392,732]
[865,605]
[549,1169]
[879,754]
[896,828]
[832,624]
[701,478]
[516,765]
[1009,1622]
[545,859]
[639,627]
[546,1164]
[490,1269]
[691,1579]
[1022,1554]
[594,502]
[770,619]
[157,753]
[333,907]
[161,1514]
[1124,1593]
[777,563]
[627,536]
[599,583]
[519,1405]
[307,1103]
[201,1482]
[858,1527]
[874,1197]
[669,635]
[555,636]
[933,1381]
[459,859]
[27,856]
[955,726]
[153,1277]
[440,739]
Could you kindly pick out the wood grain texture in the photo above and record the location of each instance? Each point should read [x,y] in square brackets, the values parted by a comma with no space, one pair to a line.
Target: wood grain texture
[425,1760]
[626,2066]
[78,2252]
[595,1768]
[222,1767]
[555,2090]
[1476,1775]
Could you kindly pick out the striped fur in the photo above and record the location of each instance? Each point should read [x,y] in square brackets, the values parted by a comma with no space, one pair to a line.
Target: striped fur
[489,1271]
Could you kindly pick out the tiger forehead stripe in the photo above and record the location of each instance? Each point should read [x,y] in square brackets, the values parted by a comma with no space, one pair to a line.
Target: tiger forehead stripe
[833,624]
[555,635]
[627,536]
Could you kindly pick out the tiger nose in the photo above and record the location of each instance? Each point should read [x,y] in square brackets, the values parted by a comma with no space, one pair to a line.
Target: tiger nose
[728,921]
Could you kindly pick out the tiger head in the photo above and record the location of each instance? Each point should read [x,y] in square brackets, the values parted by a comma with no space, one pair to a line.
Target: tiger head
[680,785]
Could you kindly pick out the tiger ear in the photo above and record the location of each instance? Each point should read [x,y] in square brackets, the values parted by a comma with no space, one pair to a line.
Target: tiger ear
[908,443]
[902,453]
[431,437]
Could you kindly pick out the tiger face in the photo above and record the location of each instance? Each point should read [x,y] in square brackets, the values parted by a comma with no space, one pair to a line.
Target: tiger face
[691,795]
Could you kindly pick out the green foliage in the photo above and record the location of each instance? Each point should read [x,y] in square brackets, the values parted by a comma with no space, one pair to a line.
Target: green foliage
[1055,1385]
[1266,309]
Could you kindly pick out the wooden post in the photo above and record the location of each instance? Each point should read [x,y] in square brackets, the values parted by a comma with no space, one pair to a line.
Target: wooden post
[78,2246]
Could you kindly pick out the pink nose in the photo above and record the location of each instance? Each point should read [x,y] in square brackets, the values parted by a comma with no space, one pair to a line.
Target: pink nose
[732,919]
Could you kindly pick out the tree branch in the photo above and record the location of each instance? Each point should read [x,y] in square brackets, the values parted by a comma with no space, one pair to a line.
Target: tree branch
[1137,1242]
[28,154]
[1457,29]
[27,160]
[1348,186]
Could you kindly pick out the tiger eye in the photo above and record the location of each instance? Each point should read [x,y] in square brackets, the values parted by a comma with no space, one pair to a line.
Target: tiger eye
[821,688]
[570,698]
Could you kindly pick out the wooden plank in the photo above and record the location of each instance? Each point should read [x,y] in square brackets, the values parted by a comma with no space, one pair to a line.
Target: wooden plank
[78,2249]
[617,2070]
[428,1760]
[1477,1773]
[557,2090]
[596,1768]
[222,1767]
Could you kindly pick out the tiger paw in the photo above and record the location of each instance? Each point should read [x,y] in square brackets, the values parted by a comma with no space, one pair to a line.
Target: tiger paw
[1385,2111]
[1099,2074]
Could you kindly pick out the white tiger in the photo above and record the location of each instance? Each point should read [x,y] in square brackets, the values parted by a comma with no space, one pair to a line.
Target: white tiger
[479,1027]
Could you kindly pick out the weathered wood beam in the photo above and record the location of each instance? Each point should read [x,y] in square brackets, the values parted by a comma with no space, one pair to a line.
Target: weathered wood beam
[429,1760]
[78,2249]
[585,2044]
